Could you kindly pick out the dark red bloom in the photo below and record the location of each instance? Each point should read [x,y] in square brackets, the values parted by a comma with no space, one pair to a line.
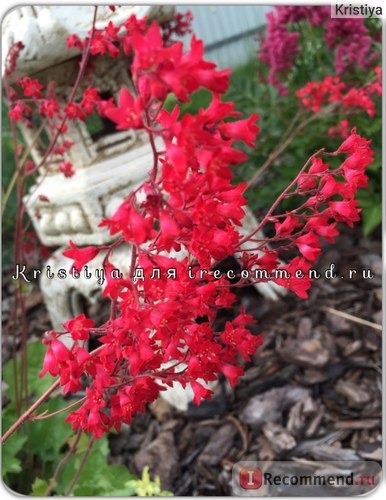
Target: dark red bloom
[31,88]
[81,256]
[67,169]
[128,113]
[79,327]
[73,111]
[128,221]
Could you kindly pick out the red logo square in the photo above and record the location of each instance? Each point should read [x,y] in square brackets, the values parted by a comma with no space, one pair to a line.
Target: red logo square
[251,478]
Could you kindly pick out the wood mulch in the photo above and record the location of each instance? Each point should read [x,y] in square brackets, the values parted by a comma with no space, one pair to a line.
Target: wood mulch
[311,393]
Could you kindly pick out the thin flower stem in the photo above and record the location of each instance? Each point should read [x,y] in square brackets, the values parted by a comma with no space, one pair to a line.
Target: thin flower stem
[45,415]
[82,69]
[12,182]
[287,141]
[53,481]
[279,199]
[19,304]
[20,421]
[155,156]
[80,468]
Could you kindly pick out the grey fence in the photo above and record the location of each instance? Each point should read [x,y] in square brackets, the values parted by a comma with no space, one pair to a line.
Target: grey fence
[229,31]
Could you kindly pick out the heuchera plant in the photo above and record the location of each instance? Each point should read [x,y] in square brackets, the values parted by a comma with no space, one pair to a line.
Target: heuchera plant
[348,39]
[184,218]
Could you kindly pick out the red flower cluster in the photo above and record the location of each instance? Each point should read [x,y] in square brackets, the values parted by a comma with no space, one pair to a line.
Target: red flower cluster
[162,324]
[11,59]
[331,89]
[31,88]
[341,130]
[178,26]
[349,39]
[187,204]
[328,195]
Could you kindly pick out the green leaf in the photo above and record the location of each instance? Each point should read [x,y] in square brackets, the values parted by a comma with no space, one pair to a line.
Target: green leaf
[145,487]
[110,481]
[39,487]
[371,217]
[10,449]
[35,356]
[48,436]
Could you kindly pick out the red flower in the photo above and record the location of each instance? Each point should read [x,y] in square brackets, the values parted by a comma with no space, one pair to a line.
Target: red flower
[241,339]
[345,211]
[79,327]
[241,130]
[267,261]
[81,256]
[90,98]
[128,221]
[232,373]
[353,143]
[306,181]
[319,224]
[360,99]
[296,278]
[286,227]
[200,392]
[318,166]
[309,246]
[73,111]
[19,111]
[169,231]
[73,41]
[31,88]
[101,45]
[67,169]
[115,281]
[341,130]
[128,113]
[111,31]
[49,108]
[56,355]
[90,415]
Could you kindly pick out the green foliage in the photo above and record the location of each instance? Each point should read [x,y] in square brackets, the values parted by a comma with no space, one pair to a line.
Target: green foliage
[10,451]
[39,487]
[145,487]
[199,99]
[36,385]
[109,481]
[31,456]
